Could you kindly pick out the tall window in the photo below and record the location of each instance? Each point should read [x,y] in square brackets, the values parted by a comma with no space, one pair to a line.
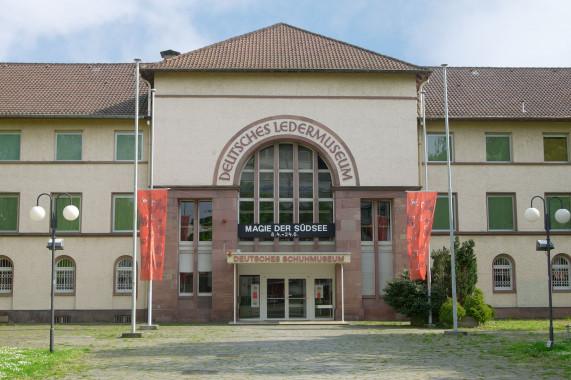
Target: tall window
[124,275]
[560,273]
[125,146]
[6,275]
[123,212]
[69,146]
[195,248]
[436,146]
[285,183]
[65,275]
[375,242]
[9,204]
[441,214]
[9,146]
[63,224]
[501,212]
[556,205]
[503,273]
[498,148]
[555,148]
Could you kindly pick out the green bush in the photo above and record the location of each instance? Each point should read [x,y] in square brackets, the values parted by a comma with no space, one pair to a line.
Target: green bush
[410,297]
[477,308]
[447,314]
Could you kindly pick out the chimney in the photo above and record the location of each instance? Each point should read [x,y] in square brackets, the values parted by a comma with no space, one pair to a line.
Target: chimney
[169,54]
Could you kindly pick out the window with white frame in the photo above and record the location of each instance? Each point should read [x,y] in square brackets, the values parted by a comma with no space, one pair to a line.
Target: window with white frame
[9,204]
[125,146]
[123,212]
[69,146]
[6,275]
[195,243]
[436,147]
[64,225]
[124,275]
[375,241]
[65,275]
[554,205]
[503,273]
[555,148]
[560,273]
[10,146]
[441,220]
[498,148]
[501,212]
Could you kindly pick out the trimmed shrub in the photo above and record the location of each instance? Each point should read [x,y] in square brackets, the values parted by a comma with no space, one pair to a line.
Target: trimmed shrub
[447,314]
[477,308]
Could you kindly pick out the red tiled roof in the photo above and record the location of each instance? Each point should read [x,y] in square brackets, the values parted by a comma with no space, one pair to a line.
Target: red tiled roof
[492,92]
[282,47]
[82,90]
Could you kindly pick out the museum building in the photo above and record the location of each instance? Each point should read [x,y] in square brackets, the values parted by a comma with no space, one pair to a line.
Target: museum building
[287,157]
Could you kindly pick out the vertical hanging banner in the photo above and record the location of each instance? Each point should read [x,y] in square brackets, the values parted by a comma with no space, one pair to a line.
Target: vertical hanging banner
[152,205]
[419,214]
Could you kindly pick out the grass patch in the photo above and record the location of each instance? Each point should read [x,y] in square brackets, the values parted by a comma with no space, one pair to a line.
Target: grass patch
[38,363]
[557,357]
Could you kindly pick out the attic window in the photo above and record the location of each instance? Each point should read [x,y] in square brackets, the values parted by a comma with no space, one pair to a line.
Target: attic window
[475,72]
[96,69]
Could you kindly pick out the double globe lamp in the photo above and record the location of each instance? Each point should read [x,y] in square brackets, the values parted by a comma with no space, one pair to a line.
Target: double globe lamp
[38,213]
[561,216]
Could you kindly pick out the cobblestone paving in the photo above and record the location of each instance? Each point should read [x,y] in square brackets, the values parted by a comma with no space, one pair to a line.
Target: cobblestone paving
[352,351]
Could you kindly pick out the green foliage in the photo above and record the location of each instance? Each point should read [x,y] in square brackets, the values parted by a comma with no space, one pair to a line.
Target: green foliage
[466,268]
[447,313]
[410,297]
[477,308]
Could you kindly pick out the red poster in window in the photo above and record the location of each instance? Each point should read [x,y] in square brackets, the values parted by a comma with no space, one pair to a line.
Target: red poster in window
[419,214]
[152,206]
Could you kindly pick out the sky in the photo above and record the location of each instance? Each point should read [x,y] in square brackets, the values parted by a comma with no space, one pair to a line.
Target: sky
[493,33]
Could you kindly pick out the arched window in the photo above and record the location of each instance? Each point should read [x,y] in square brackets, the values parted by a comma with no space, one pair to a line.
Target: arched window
[124,275]
[65,275]
[560,273]
[6,275]
[503,273]
[285,183]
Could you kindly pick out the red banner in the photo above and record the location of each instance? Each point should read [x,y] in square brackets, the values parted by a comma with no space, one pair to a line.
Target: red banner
[420,213]
[152,206]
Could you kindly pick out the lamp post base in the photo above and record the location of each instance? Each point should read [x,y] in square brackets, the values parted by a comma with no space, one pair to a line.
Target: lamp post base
[550,344]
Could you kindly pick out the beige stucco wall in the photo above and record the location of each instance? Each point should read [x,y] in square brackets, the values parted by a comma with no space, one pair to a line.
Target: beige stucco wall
[96,178]
[526,176]
[370,113]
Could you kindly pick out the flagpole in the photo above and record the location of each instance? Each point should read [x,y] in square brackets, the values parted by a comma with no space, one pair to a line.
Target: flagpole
[429,259]
[151,183]
[450,205]
[135,168]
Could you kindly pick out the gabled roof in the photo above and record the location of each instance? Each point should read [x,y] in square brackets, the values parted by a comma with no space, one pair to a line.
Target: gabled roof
[500,93]
[69,90]
[284,48]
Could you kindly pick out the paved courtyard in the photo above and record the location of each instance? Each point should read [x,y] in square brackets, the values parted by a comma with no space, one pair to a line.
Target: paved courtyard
[351,351]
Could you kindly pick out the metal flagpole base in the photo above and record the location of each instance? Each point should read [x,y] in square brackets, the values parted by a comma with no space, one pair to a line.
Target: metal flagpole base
[132,335]
[148,327]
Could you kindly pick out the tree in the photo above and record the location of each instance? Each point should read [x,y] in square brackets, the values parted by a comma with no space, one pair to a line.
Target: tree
[466,269]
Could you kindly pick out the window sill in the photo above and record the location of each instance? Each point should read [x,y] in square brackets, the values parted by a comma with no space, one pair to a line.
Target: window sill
[504,291]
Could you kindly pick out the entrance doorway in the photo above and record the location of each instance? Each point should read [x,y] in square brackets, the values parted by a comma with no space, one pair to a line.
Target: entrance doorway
[286,298]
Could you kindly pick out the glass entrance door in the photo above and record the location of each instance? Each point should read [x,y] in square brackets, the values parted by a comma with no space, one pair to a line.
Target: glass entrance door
[275,300]
[286,298]
[249,297]
[297,298]
[323,290]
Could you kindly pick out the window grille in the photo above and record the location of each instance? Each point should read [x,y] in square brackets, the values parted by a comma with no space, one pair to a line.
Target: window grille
[62,319]
[121,319]
[5,276]
[65,276]
[124,276]
[502,273]
[560,273]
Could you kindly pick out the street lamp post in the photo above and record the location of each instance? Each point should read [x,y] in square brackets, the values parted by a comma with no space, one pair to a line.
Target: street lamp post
[561,216]
[37,213]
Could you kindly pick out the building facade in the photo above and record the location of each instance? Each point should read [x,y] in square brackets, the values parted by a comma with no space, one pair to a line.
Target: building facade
[287,157]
